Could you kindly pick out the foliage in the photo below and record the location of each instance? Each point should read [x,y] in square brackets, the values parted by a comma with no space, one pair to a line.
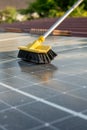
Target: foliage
[54,8]
[63,4]
[79,12]
[8,15]
[42,8]
[55,13]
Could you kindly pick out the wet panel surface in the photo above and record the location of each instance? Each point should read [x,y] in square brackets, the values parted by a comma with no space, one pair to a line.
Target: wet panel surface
[45,96]
[16,120]
[71,124]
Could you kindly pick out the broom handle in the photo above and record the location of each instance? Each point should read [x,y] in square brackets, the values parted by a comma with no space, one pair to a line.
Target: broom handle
[62,18]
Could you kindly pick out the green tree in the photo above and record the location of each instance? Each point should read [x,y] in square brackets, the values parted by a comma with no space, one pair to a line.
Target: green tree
[53,8]
[42,7]
[79,12]
[63,4]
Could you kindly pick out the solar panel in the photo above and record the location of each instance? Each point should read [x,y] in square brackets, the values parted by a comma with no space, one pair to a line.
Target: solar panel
[44,97]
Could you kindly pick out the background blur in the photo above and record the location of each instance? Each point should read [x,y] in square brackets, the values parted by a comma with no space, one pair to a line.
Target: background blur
[22,10]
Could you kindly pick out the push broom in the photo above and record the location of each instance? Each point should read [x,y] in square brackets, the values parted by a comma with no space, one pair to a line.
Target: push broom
[42,54]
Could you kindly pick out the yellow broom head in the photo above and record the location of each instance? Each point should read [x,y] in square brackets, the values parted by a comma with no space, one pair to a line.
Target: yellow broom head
[36,46]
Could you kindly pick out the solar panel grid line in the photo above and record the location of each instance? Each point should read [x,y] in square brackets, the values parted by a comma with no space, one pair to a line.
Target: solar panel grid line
[20,105]
[5,103]
[49,127]
[74,113]
[6,61]
[64,91]
[12,107]
[29,115]
[84,111]
[24,113]
[46,126]
[61,120]
[66,82]
[82,98]
[2,127]
[4,91]
[7,78]
[53,79]
[6,109]
[80,80]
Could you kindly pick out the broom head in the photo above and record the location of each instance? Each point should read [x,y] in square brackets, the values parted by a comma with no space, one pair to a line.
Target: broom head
[36,52]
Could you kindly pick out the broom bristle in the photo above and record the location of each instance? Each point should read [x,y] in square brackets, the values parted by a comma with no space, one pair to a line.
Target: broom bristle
[39,58]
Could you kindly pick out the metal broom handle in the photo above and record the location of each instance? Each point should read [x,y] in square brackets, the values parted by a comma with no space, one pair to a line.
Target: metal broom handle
[62,18]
